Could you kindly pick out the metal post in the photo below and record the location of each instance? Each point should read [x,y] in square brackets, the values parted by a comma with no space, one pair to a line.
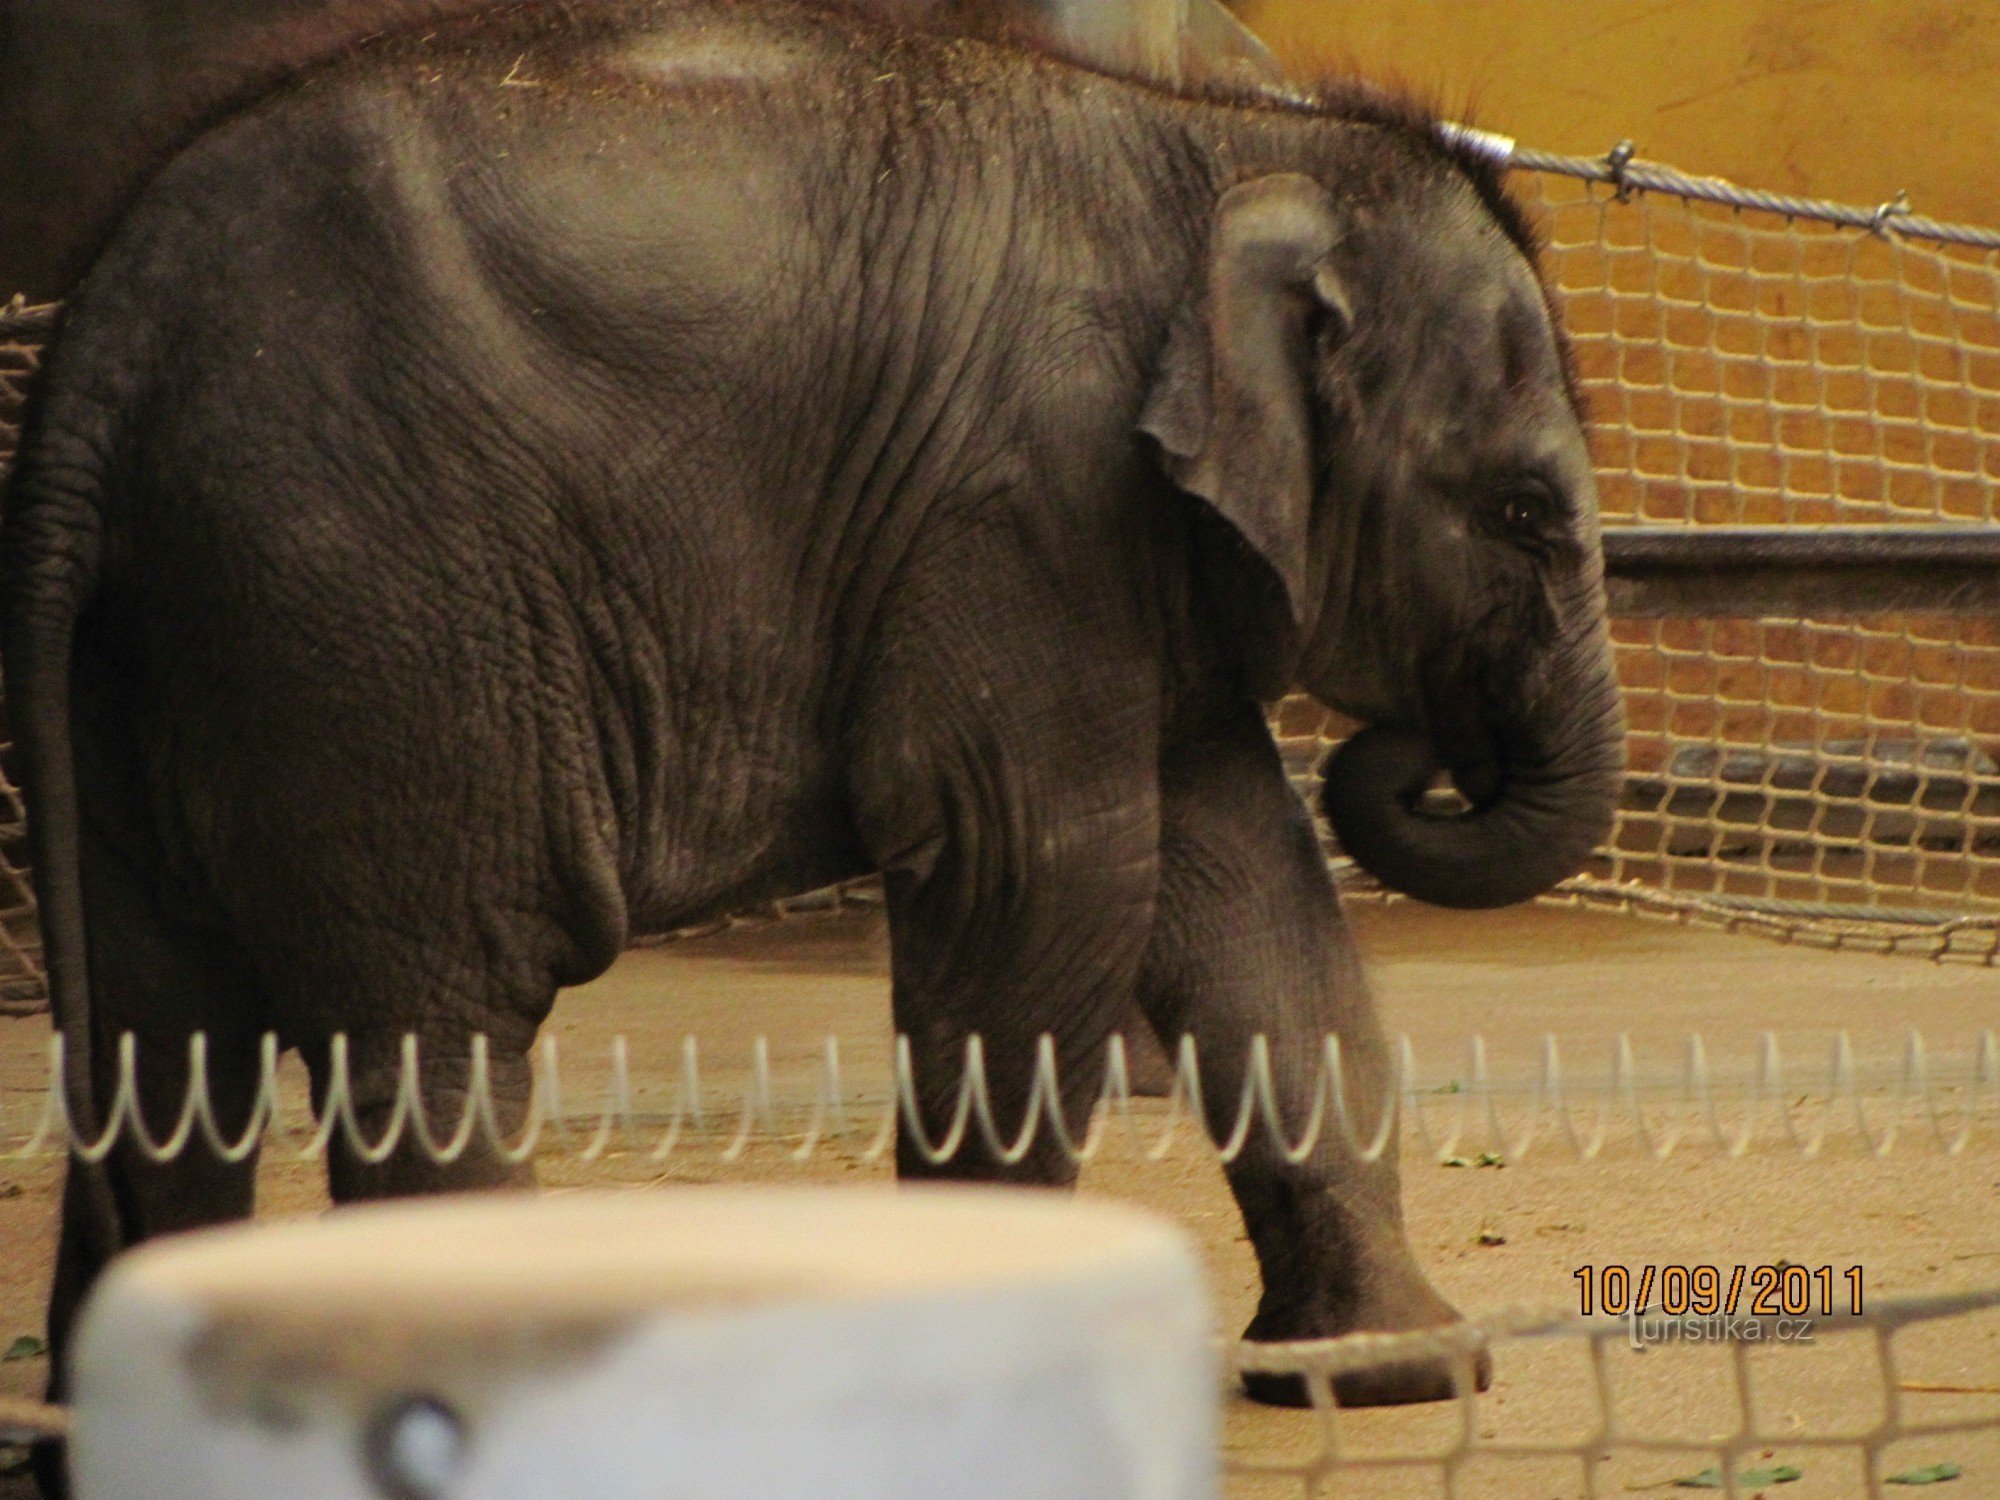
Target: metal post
[1823,571]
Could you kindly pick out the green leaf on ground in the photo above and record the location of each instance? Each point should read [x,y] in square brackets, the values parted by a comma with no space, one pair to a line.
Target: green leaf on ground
[1711,1479]
[1489,1159]
[1931,1474]
[1456,1161]
[27,1346]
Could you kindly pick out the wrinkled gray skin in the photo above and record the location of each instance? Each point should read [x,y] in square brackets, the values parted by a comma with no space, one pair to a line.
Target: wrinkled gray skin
[562,478]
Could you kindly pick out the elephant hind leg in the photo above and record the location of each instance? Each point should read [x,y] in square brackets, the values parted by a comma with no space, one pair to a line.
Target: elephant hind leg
[395,1153]
[416,1035]
[159,980]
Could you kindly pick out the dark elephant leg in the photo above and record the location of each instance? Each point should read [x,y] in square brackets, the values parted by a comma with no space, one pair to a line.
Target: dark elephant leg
[413,845]
[392,1028]
[1250,942]
[475,969]
[1011,936]
[374,1072]
[160,981]
[1055,971]
[1004,776]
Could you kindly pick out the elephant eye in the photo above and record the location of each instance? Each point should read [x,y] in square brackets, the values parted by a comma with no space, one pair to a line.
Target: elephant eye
[1526,509]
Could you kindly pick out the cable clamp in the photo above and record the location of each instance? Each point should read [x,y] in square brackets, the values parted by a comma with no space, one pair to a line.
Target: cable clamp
[1897,207]
[1616,160]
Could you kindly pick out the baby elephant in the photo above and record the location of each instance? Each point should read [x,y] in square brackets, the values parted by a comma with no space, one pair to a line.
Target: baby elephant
[568,471]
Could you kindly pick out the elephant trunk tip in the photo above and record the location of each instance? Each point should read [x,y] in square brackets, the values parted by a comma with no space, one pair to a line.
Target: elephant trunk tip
[1527,829]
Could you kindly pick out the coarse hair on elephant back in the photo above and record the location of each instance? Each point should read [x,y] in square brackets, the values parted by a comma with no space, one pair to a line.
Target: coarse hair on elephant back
[1425,126]
[252,61]
[263,57]
[1421,123]
[1428,133]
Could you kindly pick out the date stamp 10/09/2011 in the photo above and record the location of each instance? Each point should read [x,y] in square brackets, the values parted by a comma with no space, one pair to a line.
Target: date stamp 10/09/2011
[1670,1304]
[1781,1289]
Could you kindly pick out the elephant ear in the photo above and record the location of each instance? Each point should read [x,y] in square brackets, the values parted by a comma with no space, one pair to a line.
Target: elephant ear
[1231,405]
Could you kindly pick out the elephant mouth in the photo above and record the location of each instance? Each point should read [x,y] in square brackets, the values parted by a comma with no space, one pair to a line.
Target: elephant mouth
[1505,831]
[1475,785]
[1456,766]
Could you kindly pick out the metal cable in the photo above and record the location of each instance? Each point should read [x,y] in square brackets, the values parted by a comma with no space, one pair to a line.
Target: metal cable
[1620,169]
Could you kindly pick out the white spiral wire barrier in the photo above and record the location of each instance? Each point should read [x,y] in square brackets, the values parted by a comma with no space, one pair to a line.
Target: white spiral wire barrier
[1949,1105]
[1575,1410]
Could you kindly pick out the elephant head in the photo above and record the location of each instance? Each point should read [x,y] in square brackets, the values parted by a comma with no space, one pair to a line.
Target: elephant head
[1372,396]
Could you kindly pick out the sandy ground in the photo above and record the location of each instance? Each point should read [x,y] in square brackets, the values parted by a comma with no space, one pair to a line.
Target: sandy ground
[1917,1219]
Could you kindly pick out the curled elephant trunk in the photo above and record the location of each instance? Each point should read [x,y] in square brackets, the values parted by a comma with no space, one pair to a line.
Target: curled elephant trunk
[1534,823]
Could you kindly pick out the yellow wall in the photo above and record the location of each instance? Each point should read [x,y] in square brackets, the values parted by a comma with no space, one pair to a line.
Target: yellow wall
[1846,99]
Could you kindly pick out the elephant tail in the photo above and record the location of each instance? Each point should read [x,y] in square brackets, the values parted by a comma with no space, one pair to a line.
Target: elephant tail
[51,551]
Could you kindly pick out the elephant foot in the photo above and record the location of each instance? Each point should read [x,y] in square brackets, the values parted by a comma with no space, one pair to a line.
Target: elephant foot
[1404,1383]
[1422,1377]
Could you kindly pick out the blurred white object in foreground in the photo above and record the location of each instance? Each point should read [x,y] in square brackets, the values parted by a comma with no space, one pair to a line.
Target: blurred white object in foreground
[726,1344]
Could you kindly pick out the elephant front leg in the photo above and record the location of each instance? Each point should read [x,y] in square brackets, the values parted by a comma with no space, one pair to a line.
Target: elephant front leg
[1004,761]
[1019,960]
[1249,942]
